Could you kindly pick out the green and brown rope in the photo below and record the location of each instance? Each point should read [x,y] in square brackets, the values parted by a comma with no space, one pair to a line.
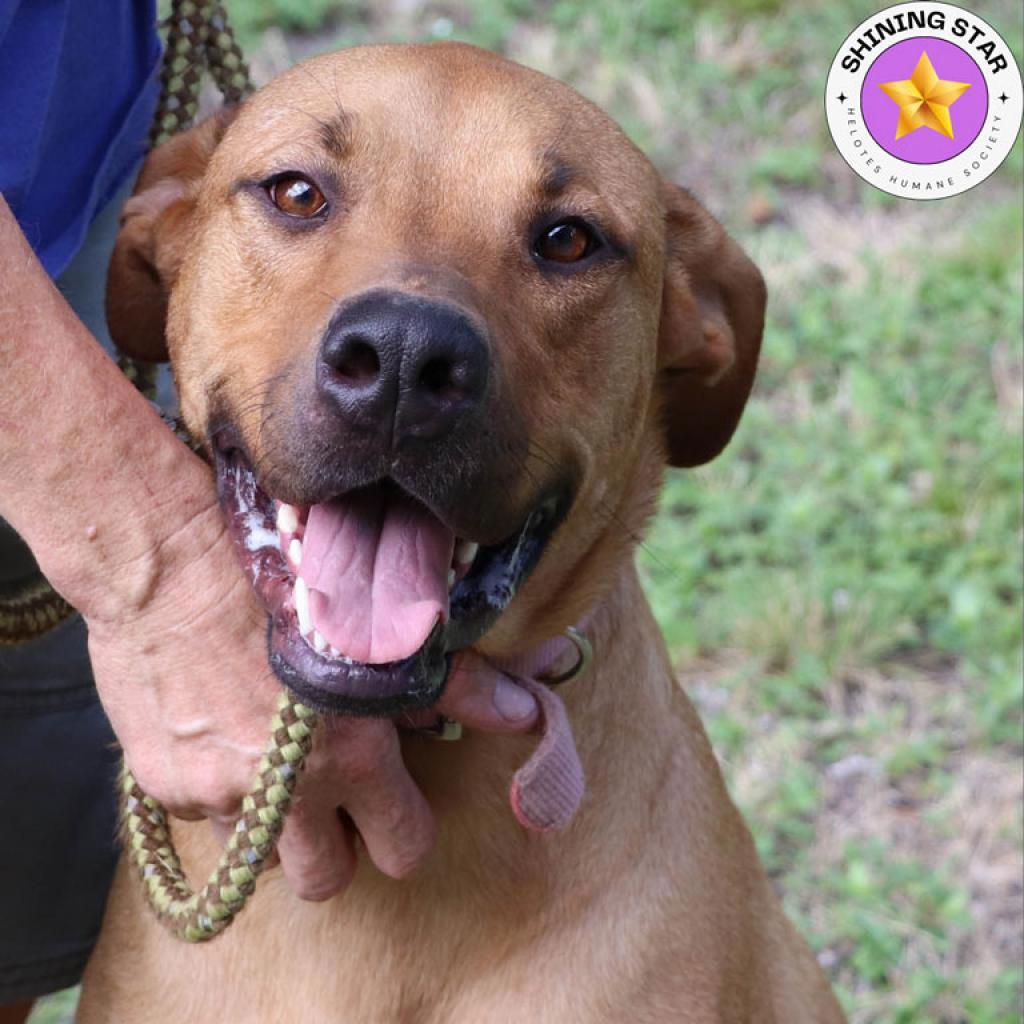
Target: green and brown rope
[200,916]
[199,38]
[29,608]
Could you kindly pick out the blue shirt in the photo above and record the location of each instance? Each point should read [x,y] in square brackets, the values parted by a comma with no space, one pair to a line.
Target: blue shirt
[78,86]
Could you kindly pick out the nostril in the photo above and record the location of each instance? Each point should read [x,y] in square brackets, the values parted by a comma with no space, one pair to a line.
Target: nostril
[358,364]
[437,377]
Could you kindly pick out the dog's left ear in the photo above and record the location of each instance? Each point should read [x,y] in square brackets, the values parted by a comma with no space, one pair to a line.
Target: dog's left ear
[712,317]
[155,227]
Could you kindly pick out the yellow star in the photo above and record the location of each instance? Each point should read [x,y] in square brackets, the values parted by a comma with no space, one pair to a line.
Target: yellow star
[924,99]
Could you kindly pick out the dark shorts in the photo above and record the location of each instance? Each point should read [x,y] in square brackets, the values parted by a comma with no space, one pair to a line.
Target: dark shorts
[58,812]
[58,765]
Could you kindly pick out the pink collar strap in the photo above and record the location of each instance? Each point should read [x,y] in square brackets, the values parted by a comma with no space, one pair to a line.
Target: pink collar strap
[547,790]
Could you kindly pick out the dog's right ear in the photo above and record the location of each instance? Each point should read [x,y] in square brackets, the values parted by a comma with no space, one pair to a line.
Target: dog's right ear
[155,227]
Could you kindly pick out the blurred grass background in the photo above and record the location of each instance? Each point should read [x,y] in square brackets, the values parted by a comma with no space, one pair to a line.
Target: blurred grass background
[842,588]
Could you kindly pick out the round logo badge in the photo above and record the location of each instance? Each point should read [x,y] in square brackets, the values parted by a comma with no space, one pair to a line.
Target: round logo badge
[924,100]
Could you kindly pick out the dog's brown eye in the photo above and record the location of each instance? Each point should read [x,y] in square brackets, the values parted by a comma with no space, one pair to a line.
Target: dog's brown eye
[297,196]
[569,241]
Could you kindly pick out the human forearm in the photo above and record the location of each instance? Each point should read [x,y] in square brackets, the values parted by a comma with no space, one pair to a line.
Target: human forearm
[89,476]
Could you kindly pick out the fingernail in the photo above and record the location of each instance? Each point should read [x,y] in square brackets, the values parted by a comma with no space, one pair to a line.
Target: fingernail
[512,702]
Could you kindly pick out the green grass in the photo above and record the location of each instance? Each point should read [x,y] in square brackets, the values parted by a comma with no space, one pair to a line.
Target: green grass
[842,588]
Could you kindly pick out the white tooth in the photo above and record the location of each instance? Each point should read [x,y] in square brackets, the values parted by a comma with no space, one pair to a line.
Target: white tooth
[302,606]
[451,578]
[333,651]
[287,518]
[466,552]
[295,552]
[319,643]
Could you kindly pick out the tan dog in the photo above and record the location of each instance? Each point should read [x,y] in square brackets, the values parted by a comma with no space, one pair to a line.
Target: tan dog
[434,282]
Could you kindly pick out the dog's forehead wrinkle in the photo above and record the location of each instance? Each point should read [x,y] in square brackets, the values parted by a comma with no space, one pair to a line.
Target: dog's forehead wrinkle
[556,174]
[336,133]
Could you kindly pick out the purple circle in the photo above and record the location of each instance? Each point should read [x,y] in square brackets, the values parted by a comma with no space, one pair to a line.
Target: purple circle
[924,145]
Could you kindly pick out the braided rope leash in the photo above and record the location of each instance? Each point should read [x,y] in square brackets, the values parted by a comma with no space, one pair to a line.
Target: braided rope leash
[199,37]
[28,609]
[200,916]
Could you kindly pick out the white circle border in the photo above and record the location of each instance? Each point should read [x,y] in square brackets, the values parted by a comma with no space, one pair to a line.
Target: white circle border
[902,178]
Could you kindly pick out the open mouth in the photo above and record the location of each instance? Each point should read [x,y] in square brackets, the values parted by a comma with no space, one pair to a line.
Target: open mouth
[370,593]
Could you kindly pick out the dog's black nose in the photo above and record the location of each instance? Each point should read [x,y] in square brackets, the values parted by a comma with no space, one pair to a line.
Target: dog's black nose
[402,365]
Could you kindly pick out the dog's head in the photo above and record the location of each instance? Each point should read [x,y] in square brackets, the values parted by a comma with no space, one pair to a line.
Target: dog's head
[439,324]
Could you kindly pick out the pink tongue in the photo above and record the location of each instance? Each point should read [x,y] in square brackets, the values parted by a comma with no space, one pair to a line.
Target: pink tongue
[377,568]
